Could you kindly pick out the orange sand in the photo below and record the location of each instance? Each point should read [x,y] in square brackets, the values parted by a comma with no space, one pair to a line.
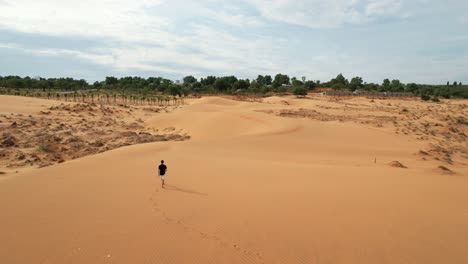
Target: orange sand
[248,187]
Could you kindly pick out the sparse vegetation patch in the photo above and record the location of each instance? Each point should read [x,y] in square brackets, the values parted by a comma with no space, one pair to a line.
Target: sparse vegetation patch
[70,131]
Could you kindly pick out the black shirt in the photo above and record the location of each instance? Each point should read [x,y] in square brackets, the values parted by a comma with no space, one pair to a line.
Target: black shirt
[162,169]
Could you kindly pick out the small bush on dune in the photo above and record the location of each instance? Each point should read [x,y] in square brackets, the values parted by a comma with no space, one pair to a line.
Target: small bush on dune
[446,170]
[300,91]
[45,148]
[397,164]
[422,152]
[425,97]
[282,90]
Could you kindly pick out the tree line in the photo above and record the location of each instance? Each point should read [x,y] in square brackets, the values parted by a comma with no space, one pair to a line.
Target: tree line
[263,84]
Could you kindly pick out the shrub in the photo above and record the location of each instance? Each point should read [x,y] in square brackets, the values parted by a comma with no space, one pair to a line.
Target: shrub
[444,168]
[425,97]
[282,89]
[435,99]
[266,89]
[45,148]
[300,91]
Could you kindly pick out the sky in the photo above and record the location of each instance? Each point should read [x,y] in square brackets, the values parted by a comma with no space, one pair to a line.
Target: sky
[423,41]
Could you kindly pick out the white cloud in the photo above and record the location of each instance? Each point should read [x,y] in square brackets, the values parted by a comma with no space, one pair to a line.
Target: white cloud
[312,13]
[234,19]
[325,14]
[203,50]
[383,7]
[119,19]
[99,58]
[178,37]
[144,39]
[115,57]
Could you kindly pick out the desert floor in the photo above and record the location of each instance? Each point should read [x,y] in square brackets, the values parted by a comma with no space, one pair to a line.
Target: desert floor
[277,180]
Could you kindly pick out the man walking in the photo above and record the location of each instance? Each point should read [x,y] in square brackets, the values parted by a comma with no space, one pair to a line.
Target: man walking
[162,172]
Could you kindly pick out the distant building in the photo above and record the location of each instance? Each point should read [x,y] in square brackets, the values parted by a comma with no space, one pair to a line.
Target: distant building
[177,81]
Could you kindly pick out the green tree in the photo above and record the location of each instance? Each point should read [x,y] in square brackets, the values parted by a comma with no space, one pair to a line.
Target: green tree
[371,87]
[275,84]
[356,84]
[338,86]
[185,91]
[260,79]
[174,90]
[111,81]
[83,83]
[264,79]
[197,87]
[411,87]
[221,84]
[164,85]
[397,86]
[241,85]
[189,80]
[209,80]
[310,85]
[386,85]
[445,93]
[300,91]
[255,86]
[265,89]
[281,79]
[282,89]
[338,83]
[295,82]
[231,80]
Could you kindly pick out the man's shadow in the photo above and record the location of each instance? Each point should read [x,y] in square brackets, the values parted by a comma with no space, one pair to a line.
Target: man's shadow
[175,188]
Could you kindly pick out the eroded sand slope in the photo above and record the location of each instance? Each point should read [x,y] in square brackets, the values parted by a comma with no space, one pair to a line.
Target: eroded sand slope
[250,186]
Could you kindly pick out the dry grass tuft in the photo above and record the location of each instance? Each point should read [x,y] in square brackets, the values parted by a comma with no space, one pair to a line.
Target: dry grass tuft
[397,164]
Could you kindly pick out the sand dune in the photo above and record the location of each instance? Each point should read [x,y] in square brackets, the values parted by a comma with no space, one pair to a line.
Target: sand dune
[252,185]
[38,137]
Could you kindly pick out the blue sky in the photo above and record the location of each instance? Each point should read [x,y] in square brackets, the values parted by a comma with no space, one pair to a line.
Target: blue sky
[424,41]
